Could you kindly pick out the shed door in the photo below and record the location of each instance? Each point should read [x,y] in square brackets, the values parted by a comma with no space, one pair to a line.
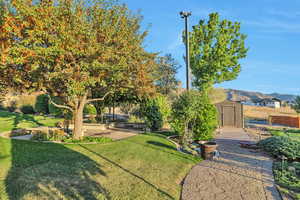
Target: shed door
[229,116]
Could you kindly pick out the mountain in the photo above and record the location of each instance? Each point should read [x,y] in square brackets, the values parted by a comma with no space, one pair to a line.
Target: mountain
[284,97]
[241,95]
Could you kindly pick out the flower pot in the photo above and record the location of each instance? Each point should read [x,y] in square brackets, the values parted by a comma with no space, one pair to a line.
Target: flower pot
[208,149]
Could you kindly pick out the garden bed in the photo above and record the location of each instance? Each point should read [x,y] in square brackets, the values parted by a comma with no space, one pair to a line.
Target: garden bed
[286,149]
[287,176]
[194,148]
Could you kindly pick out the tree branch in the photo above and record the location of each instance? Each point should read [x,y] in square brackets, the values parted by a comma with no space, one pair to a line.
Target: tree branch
[99,99]
[57,105]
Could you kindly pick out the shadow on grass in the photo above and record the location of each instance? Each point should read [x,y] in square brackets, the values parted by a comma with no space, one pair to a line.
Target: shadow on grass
[51,171]
[22,117]
[129,172]
[161,147]
[159,144]
[19,118]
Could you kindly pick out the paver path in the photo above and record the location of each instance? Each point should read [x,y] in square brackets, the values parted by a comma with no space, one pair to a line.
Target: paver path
[239,174]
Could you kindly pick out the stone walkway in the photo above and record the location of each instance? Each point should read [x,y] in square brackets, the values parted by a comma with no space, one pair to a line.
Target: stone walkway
[239,174]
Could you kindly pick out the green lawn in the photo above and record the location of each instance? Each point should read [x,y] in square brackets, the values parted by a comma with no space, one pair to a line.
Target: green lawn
[9,121]
[140,167]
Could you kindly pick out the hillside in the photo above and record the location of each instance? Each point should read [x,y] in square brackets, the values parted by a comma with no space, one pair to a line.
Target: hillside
[240,95]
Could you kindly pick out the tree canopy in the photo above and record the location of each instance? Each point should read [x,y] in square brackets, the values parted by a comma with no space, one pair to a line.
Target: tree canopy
[166,71]
[216,46]
[71,49]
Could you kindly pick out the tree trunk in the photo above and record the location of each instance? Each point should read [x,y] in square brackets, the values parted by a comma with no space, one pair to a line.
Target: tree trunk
[78,118]
[78,123]
[114,117]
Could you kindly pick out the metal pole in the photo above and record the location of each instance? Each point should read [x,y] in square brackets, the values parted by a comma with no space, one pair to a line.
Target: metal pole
[185,15]
[187,47]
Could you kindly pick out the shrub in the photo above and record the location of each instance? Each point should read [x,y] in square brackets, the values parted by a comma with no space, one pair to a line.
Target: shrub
[89,109]
[41,105]
[206,121]
[27,109]
[40,136]
[49,135]
[193,117]
[282,145]
[150,110]
[156,112]
[164,107]
[88,139]
[56,135]
[289,179]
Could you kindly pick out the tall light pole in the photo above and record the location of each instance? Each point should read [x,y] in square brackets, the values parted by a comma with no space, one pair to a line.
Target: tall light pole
[185,16]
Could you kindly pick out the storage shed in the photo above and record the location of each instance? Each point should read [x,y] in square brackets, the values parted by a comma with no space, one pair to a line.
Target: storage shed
[230,114]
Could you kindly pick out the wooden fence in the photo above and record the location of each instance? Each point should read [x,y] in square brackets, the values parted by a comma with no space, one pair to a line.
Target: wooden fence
[285,120]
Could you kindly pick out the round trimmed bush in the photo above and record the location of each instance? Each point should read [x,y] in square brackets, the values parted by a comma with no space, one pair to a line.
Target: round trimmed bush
[27,109]
[89,109]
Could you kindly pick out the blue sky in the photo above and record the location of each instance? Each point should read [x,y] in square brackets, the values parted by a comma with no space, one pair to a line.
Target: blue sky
[272,26]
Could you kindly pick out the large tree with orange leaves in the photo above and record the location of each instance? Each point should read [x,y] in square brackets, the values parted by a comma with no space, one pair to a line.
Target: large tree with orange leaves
[73,49]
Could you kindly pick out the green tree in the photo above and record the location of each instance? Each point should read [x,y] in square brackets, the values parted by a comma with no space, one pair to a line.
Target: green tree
[216,46]
[206,121]
[150,111]
[41,104]
[70,48]
[165,73]
[193,117]
[296,106]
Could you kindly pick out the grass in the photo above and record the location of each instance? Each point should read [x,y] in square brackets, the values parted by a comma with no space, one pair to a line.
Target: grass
[288,132]
[9,121]
[140,167]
